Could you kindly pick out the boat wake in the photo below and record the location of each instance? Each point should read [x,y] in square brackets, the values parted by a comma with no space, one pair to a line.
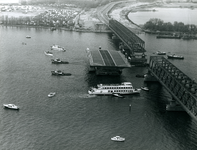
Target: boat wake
[87,96]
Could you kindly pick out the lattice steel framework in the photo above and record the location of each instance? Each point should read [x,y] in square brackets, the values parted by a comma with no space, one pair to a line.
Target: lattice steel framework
[132,41]
[180,86]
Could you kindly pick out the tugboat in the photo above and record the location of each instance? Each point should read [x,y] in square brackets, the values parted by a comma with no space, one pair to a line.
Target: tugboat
[53,28]
[173,56]
[144,88]
[60,73]
[28,36]
[58,61]
[140,75]
[57,47]
[11,106]
[160,53]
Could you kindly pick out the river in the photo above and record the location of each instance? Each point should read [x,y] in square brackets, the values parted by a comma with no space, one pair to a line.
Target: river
[185,15]
[73,119]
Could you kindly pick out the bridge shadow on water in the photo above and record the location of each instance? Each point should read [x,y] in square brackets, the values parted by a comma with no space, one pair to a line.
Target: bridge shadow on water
[179,126]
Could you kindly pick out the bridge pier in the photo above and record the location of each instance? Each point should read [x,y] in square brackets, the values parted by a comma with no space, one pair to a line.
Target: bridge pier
[174,106]
[149,77]
[108,71]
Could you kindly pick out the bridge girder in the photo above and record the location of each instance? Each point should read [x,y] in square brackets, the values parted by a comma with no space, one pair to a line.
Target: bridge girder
[179,85]
[133,42]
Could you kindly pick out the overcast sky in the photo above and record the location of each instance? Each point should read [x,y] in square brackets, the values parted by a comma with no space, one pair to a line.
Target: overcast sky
[9,1]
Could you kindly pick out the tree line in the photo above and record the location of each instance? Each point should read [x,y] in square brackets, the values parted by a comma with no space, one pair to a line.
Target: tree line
[159,25]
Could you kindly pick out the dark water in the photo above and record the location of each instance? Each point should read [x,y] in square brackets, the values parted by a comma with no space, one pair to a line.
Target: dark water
[73,120]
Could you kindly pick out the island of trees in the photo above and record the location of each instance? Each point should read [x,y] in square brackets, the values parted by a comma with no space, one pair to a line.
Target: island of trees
[169,30]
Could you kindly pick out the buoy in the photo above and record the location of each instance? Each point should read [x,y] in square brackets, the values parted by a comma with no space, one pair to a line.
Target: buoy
[130,107]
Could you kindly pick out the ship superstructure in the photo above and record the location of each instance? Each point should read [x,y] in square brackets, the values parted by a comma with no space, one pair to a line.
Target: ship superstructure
[109,89]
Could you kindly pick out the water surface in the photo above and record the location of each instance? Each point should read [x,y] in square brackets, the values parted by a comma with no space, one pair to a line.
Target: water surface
[73,119]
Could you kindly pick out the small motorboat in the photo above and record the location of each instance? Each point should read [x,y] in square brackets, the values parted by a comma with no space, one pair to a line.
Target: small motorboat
[118,139]
[173,56]
[58,61]
[160,53]
[144,88]
[48,53]
[57,47]
[117,95]
[60,73]
[28,37]
[140,75]
[51,94]
[53,28]
[136,91]
[11,106]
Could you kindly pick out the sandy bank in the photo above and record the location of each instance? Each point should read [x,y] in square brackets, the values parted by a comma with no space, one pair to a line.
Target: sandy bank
[120,12]
[88,20]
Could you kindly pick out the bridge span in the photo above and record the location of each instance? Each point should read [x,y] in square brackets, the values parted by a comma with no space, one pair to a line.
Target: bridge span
[182,88]
[106,62]
[132,46]
[129,43]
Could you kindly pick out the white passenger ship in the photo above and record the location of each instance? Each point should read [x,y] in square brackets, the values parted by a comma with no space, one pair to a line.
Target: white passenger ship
[123,88]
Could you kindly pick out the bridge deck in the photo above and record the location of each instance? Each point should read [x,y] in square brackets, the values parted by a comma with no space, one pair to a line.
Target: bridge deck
[106,58]
[131,40]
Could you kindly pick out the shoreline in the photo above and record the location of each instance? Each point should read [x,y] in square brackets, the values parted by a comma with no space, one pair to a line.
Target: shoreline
[65,29]
[119,12]
[128,7]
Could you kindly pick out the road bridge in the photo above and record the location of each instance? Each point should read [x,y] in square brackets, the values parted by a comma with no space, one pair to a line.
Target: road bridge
[179,85]
[106,62]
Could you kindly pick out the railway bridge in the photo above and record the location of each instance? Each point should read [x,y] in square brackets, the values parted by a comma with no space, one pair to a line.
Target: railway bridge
[131,45]
[182,88]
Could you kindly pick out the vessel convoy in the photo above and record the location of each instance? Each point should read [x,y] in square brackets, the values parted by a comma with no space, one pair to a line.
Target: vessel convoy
[111,89]
[11,106]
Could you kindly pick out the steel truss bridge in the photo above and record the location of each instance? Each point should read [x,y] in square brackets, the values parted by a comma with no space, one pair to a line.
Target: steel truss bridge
[133,47]
[180,86]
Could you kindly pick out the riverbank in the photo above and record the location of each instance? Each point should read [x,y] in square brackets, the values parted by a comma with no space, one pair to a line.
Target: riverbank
[88,20]
[120,12]
[74,19]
